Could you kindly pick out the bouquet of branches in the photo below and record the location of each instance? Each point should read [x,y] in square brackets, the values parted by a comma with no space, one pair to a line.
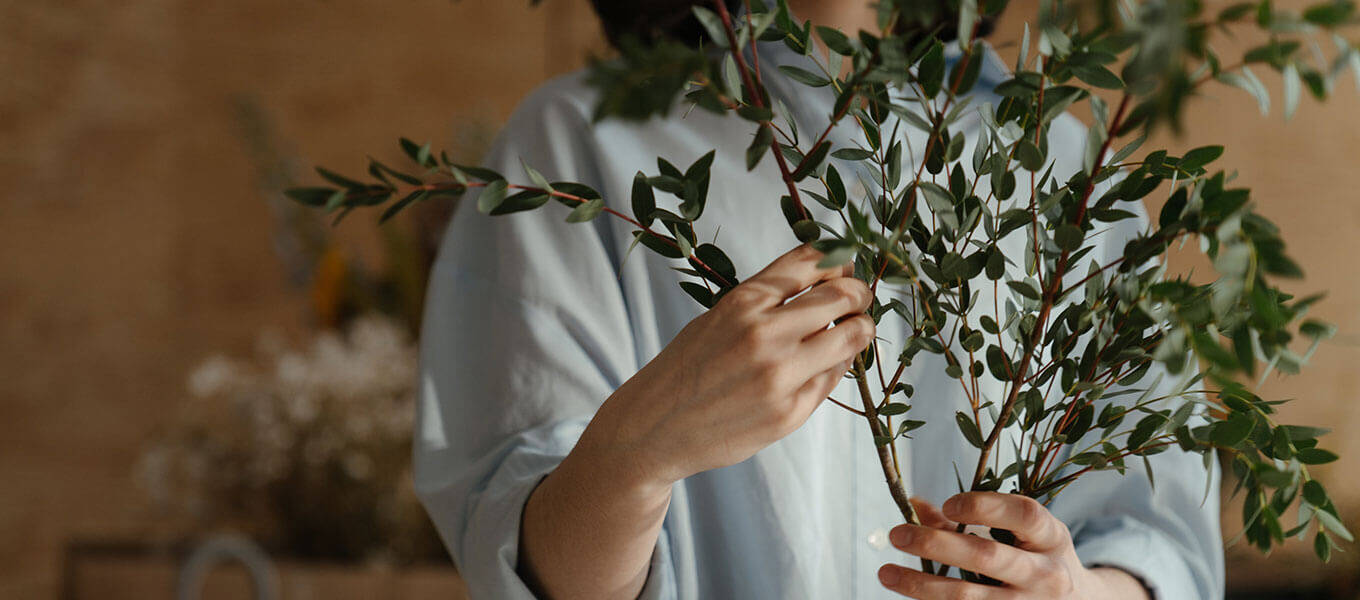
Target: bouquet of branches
[1063,351]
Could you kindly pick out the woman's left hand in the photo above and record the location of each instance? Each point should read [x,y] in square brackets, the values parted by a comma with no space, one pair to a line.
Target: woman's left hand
[1042,564]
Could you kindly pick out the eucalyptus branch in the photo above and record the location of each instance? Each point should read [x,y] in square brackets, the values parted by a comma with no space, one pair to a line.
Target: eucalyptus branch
[890,473]
[1056,352]
[757,99]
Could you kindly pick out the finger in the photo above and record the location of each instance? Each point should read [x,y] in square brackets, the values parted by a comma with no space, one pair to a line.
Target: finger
[827,302]
[830,347]
[820,386]
[791,273]
[1034,527]
[976,554]
[931,516]
[923,586]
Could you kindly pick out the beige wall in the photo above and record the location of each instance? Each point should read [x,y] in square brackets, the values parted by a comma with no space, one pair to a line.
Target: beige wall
[134,242]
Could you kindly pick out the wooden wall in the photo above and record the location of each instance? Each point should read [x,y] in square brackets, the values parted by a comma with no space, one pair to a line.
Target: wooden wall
[134,240]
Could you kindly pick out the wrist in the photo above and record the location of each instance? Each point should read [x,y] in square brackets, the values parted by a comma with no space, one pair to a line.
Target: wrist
[620,459]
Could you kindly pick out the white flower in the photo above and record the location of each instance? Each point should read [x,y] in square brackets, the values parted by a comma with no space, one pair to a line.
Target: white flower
[212,377]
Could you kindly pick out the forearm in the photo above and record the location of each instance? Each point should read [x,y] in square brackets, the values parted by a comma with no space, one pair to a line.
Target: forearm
[590,527]
[1119,585]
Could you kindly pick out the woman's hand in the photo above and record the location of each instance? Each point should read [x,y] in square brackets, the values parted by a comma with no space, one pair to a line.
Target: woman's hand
[736,379]
[742,375]
[1042,565]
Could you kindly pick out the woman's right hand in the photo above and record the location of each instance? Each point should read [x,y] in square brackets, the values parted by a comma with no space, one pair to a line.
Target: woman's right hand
[736,379]
[739,377]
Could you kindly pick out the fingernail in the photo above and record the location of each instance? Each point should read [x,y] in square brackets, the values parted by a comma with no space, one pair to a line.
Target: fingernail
[951,505]
[901,536]
[889,575]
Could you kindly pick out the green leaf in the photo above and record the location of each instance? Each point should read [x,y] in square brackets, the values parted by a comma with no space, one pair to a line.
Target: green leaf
[893,409]
[539,180]
[757,114]
[400,205]
[1317,330]
[1025,288]
[968,17]
[1015,88]
[1322,546]
[969,429]
[759,146]
[525,200]
[699,293]
[996,265]
[586,211]
[835,188]
[1068,237]
[337,179]
[813,160]
[955,148]
[1329,14]
[937,198]
[973,342]
[1316,456]
[930,71]
[716,259]
[491,197]
[909,426]
[415,151]
[837,253]
[1058,98]
[712,23]
[998,364]
[852,154]
[1333,524]
[1195,160]
[481,173]
[1098,76]
[1233,431]
[658,244]
[1236,11]
[310,196]
[1292,88]
[1249,83]
[953,266]
[804,77]
[807,230]
[644,199]
[835,40]
[379,170]
[1315,494]
[1029,155]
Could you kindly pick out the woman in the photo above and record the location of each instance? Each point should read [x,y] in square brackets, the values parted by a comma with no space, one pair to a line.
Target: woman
[587,433]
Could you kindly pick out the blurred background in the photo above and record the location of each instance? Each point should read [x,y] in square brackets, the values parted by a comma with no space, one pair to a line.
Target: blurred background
[183,354]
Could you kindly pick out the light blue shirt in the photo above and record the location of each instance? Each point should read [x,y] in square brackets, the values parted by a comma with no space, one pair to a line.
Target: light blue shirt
[532,323]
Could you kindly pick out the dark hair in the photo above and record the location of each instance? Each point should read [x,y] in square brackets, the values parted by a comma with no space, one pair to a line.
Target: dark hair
[652,20]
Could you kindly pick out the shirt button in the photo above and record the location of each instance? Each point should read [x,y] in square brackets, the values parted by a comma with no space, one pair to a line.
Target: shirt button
[878,539]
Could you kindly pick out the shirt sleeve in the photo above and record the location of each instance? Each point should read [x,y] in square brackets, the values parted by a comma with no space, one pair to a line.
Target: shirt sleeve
[1163,531]
[526,332]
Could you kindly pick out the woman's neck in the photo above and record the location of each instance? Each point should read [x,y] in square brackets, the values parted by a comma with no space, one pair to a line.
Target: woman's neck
[849,16]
